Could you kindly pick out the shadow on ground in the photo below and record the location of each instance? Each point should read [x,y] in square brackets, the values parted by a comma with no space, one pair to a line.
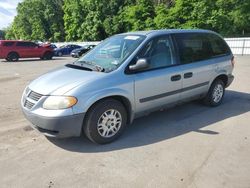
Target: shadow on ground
[166,124]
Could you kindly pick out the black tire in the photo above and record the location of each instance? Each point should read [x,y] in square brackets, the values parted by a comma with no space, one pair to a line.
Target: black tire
[210,99]
[12,56]
[47,55]
[59,54]
[96,114]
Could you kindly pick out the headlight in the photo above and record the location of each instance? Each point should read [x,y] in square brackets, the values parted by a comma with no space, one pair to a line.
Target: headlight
[26,90]
[59,102]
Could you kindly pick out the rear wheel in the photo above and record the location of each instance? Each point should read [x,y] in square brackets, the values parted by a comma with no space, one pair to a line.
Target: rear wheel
[105,121]
[215,94]
[12,56]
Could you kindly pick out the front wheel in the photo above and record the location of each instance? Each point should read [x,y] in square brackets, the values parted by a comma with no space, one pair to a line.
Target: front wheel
[47,56]
[59,54]
[105,121]
[215,94]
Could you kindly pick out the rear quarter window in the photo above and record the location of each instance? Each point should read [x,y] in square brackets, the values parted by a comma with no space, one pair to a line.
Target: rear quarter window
[219,46]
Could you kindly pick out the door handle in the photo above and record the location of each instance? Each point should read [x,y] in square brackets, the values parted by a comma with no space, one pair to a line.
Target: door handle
[188,75]
[175,77]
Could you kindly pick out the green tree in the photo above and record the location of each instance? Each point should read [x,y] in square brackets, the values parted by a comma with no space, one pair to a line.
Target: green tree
[38,20]
[2,34]
[139,16]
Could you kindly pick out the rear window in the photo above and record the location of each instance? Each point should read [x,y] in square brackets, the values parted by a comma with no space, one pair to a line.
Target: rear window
[195,47]
[8,43]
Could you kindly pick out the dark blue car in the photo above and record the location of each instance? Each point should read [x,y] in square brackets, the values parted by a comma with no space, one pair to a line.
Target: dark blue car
[65,49]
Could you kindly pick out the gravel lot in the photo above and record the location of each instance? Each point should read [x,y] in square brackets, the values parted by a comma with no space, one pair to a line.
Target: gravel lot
[188,146]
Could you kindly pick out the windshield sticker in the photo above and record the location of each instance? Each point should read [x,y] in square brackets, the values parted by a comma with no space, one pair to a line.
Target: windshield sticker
[132,37]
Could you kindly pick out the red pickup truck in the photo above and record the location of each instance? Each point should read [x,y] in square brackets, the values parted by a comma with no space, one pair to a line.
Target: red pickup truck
[12,50]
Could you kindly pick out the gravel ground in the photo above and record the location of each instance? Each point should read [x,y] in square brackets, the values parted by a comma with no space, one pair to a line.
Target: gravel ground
[187,146]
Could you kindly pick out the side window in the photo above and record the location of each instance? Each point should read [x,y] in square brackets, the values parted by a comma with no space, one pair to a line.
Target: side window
[8,44]
[31,44]
[22,44]
[26,44]
[158,53]
[219,46]
[193,47]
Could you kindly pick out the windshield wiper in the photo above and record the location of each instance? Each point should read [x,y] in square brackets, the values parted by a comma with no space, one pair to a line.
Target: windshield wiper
[92,65]
[78,67]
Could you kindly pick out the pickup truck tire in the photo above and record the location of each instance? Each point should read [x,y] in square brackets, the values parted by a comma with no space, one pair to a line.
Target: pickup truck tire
[12,56]
[105,121]
[215,94]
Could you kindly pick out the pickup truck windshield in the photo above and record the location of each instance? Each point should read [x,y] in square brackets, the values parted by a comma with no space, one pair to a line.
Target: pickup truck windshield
[112,52]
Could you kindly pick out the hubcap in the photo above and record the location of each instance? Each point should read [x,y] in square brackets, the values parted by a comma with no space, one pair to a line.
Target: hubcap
[109,123]
[217,93]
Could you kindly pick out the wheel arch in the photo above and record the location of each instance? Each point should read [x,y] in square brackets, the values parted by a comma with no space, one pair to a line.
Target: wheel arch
[223,78]
[13,52]
[122,99]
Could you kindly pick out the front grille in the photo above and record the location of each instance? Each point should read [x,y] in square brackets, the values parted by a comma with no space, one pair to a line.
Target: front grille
[34,96]
[31,98]
[28,104]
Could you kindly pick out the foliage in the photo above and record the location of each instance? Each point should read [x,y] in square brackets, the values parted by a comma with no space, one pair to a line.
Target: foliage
[74,20]
[2,34]
[38,20]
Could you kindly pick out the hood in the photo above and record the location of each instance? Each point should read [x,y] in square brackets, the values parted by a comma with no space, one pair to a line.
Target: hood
[60,81]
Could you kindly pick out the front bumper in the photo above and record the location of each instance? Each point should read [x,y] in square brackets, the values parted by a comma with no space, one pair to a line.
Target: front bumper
[65,126]
[230,79]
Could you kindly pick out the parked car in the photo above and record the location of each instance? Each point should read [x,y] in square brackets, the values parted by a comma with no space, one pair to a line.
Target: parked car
[12,50]
[65,49]
[127,76]
[53,46]
[80,51]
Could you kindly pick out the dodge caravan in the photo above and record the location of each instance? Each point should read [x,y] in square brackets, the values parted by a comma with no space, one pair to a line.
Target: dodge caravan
[126,76]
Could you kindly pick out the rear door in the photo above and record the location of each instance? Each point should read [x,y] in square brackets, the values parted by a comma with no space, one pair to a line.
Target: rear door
[195,55]
[161,82]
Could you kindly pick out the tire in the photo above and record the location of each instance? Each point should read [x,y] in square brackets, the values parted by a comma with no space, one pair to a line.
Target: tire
[12,56]
[47,55]
[59,54]
[215,94]
[102,124]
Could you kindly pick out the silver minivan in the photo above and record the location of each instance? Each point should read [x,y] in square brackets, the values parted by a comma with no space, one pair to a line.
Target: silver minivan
[126,76]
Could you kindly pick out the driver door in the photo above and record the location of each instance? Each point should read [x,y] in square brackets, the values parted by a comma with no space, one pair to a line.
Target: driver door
[160,84]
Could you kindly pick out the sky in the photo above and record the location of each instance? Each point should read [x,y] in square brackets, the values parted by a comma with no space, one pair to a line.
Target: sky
[7,12]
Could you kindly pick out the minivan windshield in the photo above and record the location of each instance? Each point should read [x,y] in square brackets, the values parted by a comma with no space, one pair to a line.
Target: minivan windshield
[108,55]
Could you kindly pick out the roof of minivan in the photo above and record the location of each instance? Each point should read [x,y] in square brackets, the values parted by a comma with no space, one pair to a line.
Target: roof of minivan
[169,31]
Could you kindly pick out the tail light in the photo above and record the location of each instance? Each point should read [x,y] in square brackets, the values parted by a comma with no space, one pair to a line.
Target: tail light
[233,61]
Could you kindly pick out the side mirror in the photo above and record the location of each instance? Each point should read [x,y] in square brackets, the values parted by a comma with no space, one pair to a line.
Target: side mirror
[139,65]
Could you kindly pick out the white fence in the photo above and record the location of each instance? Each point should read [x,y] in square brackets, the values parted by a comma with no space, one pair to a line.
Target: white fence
[239,46]
[58,44]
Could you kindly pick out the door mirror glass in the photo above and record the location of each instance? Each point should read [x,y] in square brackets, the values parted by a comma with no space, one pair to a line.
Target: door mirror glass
[139,65]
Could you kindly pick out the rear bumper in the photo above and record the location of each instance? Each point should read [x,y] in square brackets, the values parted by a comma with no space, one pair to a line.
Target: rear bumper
[229,80]
[65,126]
